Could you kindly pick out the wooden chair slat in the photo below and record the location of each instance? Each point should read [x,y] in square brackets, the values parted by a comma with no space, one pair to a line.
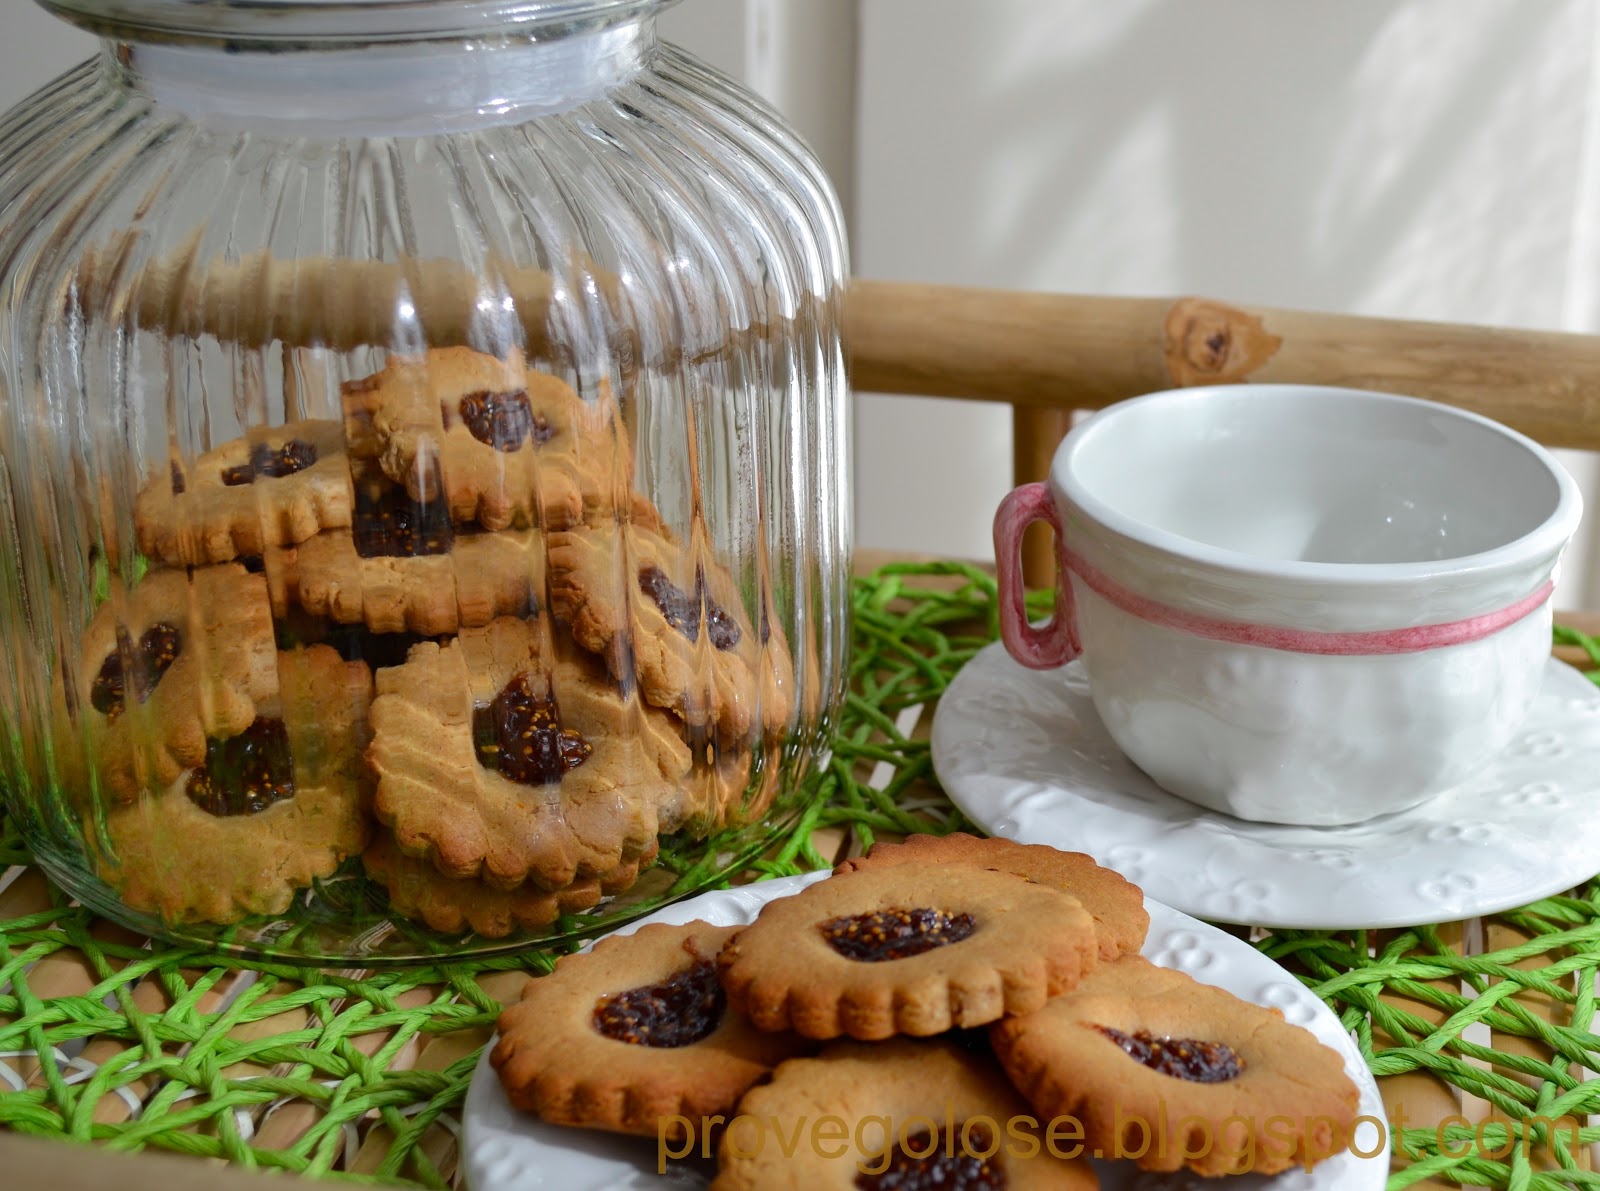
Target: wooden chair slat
[1068,351]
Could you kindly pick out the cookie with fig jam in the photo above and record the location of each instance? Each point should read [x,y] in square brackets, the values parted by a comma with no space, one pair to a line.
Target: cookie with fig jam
[502,444]
[900,951]
[1223,1086]
[417,890]
[499,758]
[916,1115]
[273,487]
[268,810]
[403,566]
[632,1033]
[179,658]
[1115,903]
[675,622]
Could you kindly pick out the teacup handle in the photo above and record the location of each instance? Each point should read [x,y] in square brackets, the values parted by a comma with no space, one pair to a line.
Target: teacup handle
[1056,643]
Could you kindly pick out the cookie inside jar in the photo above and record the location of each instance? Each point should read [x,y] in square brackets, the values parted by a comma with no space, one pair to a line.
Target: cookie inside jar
[560,686]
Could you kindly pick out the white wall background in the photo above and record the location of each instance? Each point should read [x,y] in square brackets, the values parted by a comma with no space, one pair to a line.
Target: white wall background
[1429,159]
[1421,158]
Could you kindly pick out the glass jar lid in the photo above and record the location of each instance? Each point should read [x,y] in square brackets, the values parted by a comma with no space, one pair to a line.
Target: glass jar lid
[280,23]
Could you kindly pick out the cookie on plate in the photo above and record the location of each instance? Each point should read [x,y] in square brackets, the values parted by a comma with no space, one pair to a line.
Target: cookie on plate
[1115,903]
[913,1114]
[179,657]
[273,487]
[633,1033]
[893,951]
[497,757]
[676,624]
[1174,1073]
[268,810]
[504,444]
[417,890]
[403,567]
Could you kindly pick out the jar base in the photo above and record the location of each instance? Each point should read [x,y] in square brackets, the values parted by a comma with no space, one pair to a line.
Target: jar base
[346,918]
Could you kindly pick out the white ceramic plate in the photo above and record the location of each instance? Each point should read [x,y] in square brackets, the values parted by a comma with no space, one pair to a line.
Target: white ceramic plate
[507,1150]
[1024,755]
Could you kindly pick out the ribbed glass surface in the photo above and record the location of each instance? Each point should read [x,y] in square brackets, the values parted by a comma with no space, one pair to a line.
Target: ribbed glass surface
[403,536]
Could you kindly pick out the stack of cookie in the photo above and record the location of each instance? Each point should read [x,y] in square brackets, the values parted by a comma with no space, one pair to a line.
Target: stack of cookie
[445,632]
[732,1039]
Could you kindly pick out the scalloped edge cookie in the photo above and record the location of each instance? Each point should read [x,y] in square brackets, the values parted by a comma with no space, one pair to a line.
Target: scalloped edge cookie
[173,859]
[1061,1062]
[191,515]
[554,1062]
[1115,903]
[932,1081]
[1029,943]
[470,820]
[225,669]
[571,462]
[700,682]
[417,890]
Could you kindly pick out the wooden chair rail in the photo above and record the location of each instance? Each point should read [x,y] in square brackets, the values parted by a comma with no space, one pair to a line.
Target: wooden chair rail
[1066,352]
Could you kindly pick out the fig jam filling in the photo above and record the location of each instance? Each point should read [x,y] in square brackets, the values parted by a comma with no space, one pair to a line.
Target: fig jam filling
[244,774]
[293,456]
[504,421]
[683,611]
[389,524]
[1181,1058]
[677,1012]
[520,734]
[158,647]
[947,1163]
[895,934]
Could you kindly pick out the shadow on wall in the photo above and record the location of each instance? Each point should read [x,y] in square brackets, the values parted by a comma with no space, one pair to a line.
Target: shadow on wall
[1420,158]
[1271,150]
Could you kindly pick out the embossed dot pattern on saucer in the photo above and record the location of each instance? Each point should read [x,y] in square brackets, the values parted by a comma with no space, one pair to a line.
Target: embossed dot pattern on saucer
[1024,755]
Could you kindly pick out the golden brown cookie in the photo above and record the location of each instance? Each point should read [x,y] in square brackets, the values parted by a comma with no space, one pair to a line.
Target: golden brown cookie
[179,657]
[395,572]
[496,756]
[894,951]
[271,808]
[358,400]
[505,444]
[633,1033]
[1171,1072]
[271,488]
[417,890]
[909,1114]
[639,601]
[1115,904]
[717,792]
[747,790]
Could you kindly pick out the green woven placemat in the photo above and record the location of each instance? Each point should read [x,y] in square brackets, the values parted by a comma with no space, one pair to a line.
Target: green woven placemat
[202,1053]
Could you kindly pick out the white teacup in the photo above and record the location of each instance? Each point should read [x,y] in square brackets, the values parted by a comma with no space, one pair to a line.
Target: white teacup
[1297,604]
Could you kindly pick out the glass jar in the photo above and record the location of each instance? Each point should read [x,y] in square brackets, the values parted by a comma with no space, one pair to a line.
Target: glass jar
[423,471]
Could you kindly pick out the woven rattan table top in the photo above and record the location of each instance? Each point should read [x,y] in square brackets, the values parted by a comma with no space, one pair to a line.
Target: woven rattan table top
[111,1038]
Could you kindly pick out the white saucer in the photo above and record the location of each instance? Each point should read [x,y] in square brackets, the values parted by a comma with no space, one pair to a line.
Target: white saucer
[508,1150]
[1024,755]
